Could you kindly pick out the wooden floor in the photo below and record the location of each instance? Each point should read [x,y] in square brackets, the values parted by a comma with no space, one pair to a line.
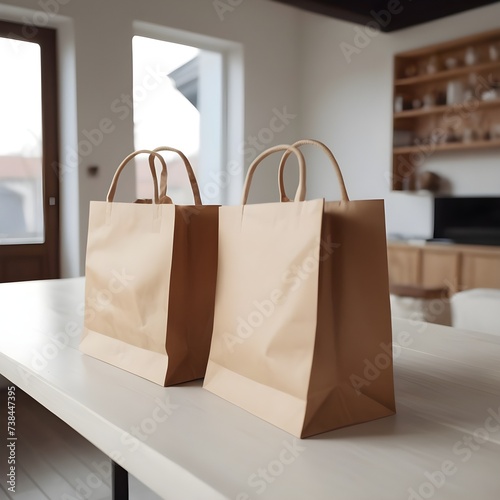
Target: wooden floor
[53,461]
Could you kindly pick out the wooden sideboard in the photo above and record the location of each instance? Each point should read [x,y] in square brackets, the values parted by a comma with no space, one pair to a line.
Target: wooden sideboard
[458,267]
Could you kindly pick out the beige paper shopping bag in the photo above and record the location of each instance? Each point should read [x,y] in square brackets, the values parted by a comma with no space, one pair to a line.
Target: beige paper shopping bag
[301,310]
[150,283]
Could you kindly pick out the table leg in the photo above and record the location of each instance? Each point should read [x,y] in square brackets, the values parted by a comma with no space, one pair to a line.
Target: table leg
[119,482]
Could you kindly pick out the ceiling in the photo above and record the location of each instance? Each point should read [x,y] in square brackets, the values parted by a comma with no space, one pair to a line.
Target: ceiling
[405,13]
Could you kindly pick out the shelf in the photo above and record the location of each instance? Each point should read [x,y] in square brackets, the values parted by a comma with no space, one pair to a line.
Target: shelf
[470,118]
[447,74]
[448,146]
[436,110]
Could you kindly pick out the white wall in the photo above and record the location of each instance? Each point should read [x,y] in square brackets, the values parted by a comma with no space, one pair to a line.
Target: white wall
[349,106]
[95,45]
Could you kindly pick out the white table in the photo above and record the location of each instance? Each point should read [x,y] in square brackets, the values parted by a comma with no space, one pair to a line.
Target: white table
[185,443]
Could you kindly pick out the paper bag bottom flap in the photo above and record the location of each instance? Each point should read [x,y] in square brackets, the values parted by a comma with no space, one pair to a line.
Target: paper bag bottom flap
[276,407]
[147,364]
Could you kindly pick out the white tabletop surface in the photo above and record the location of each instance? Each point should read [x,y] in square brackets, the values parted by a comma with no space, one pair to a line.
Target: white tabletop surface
[186,443]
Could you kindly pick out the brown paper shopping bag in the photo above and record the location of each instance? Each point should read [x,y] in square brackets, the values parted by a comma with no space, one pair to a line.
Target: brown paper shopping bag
[302,309]
[150,282]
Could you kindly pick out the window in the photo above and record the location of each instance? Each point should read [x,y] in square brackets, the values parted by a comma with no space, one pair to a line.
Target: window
[178,103]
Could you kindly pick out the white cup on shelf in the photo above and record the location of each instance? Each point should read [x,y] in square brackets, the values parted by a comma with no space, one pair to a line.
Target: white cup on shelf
[454,92]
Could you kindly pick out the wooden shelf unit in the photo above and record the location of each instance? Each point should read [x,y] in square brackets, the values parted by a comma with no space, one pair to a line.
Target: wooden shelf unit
[470,121]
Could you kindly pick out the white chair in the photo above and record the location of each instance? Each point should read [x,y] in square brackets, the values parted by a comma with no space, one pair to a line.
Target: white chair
[420,303]
[477,309]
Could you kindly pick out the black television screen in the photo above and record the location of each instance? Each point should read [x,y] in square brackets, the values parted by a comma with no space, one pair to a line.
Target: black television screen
[468,220]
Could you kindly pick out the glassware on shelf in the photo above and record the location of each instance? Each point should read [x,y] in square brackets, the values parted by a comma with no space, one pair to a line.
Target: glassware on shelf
[470,88]
[483,131]
[432,65]
[470,57]
[429,100]
[454,92]
[435,131]
[416,141]
[416,103]
[495,132]
[494,52]
[474,122]
[409,182]
[469,134]
[398,103]
[452,135]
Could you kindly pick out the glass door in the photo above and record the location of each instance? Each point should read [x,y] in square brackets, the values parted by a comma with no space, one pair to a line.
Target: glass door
[29,215]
